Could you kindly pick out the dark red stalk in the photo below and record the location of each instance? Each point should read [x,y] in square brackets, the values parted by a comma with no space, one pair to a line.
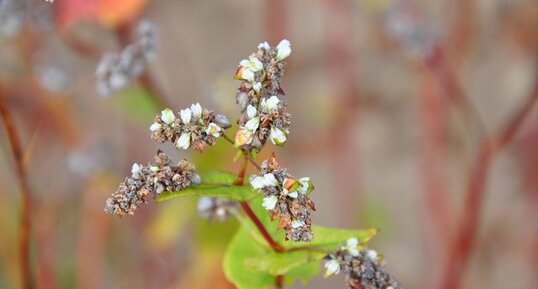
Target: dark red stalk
[26,198]
[460,249]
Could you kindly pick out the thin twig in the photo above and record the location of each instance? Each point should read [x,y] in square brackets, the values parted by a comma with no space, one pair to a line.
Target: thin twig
[26,199]
[460,249]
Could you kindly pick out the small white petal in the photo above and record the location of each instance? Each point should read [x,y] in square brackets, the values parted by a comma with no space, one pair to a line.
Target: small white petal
[293,195]
[184,141]
[332,267]
[257,86]
[283,50]
[213,130]
[136,168]
[251,111]
[305,185]
[277,136]
[253,124]
[269,104]
[264,45]
[167,116]
[353,252]
[257,182]
[255,64]
[269,203]
[247,75]
[185,115]
[269,180]
[196,111]
[297,224]
[154,168]
[352,243]
[244,63]
[155,126]
[372,255]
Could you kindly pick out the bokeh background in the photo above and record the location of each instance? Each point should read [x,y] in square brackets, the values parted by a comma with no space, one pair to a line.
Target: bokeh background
[392,102]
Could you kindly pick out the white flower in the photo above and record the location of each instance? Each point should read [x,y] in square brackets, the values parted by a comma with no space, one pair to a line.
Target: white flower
[332,267]
[155,126]
[247,75]
[269,203]
[270,180]
[253,124]
[185,115]
[352,246]
[297,224]
[136,168]
[243,136]
[252,63]
[154,169]
[306,185]
[251,111]
[196,111]
[257,182]
[264,45]
[167,116]
[372,255]
[277,136]
[213,129]
[184,141]
[269,104]
[283,50]
[257,86]
[292,195]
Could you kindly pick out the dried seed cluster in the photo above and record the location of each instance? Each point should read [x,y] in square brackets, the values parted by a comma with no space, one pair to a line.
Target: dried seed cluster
[146,182]
[286,198]
[216,208]
[361,267]
[117,70]
[191,127]
[264,114]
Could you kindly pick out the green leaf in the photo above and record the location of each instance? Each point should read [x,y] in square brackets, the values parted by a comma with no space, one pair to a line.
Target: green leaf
[282,263]
[214,184]
[331,238]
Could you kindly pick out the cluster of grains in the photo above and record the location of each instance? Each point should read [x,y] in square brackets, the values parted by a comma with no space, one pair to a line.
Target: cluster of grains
[286,199]
[362,267]
[264,114]
[191,127]
[117,70]
[216,208]
[146,182]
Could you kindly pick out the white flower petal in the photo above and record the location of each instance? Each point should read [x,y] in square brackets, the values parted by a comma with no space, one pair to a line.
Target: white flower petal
[136,168]
[372,255]
[270,180]
[293,195]
[277,136]
[264,45]
[196,111]
[213,129]
[257,182]
[269,203]
[184,141]
[255,64]
[283,50]
[253,124]
[352,243]
[155,126]
[185,115]
[332,267]
[297,224]
[247,75]
[251,111]
[154,168]
[167,116]
[257,86]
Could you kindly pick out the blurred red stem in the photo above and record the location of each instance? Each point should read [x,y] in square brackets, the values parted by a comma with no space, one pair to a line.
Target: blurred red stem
[26,199]
[460,248]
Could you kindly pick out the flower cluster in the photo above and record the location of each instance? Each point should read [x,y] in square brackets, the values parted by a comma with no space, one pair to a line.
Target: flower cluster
[286,198]
[361,266]
[191,127]
[146,182]
[264,116]
[117,70]
[216,208]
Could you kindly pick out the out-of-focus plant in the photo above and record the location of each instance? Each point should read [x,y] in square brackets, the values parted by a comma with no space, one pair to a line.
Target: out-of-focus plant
[277,242]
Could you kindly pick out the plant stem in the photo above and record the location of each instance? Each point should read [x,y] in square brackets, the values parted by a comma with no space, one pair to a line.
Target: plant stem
[279,281]
[461,246]
[26,200]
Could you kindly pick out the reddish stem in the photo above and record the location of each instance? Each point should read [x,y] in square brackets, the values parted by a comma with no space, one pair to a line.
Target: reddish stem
[461,246]
[26,200]
[279,281]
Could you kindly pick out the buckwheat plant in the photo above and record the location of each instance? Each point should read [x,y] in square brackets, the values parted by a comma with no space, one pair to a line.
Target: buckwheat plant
[277,242]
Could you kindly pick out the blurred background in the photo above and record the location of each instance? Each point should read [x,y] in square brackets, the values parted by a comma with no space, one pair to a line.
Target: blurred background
[395,104]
